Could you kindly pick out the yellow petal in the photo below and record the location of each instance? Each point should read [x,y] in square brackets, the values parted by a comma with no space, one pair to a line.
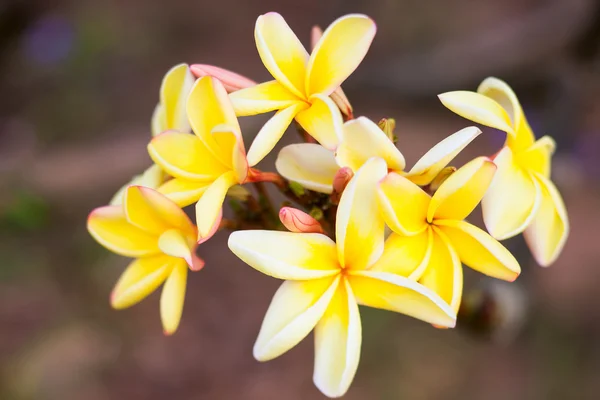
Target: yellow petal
[110,228]
[152,178]
[231,142]
[139,279]
[208,208]
[478,250]
[262,98]
[361,140]
[444,273]
[338,338]
[286,255]
[499,91]
[184,192]
[338,53]
[185,156]
[359,228]
[403,204]
[478,108]
[512,200]
[406,256]
[271,132]
[548,232]
[436,159]
[389,291]
[294,311]
[322,120]
[309,164]
[172,297]
[174,90]
[159,120]
[174,243]
[537,158]
[281,52]
[151,211]
[462,191]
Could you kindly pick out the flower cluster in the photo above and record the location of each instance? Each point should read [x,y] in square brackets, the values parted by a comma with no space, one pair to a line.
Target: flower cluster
[373,232]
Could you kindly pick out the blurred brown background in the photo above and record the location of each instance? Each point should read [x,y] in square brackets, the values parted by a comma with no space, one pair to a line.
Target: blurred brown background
[79,81]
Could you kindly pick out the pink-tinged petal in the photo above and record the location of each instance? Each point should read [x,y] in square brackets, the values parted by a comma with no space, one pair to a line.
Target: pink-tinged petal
[286,255]
[281,52]
[323,121]
[140,279]
[436,159]
[294,311]
[548,232]
[462,191]
[444,273]
[262,98]
[174,243]
[339,98]
[231,81]
[152,178]
[153,212]
[338,53]
[338,338]
[172,297]
[110,228]
[298,221]
[360,226]
[392,292]
[184,192]
[185,156]
[271,132]
[478,250]
[309,164]
[403,204]
[512,200]
[363,139]
[174,90]
[341,179]
[406,256]
[537,158]
[208,207]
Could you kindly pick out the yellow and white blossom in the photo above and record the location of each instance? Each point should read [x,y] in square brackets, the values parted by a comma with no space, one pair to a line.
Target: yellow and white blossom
[522,198]
[325,282]
[430,238]
[302,83]
[158,234]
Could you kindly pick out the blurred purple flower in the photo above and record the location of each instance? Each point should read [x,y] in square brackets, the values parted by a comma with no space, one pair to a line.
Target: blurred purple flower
[49,40]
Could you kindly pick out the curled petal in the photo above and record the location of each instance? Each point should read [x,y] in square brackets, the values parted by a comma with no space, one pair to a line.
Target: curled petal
[322,120]
[230,80]
[231,143]
[262,98]
[406,256]
[286,255]
[309,164]
[403,204]
[174,90]
[339,98]
[184,192]
[298,221]
[174,243]
[172,297]
[140,278]
[537,158]
[208,207]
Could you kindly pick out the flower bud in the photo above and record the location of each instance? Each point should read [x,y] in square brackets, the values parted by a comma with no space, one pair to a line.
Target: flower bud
[298,221]
[230,80]
[340,180]
[388,125]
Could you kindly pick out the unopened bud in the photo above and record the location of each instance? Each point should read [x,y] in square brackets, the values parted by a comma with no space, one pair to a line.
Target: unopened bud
[315,35]
[440,178]
[340,181]
[388,126]
[230,80]
[298,221]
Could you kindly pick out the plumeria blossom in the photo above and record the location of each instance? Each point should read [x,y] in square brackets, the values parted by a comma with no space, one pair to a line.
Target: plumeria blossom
[325,282]
[430,238]
[314,167]
[302,83]
[522,198]
[169,114]
[158,234]
[205,165]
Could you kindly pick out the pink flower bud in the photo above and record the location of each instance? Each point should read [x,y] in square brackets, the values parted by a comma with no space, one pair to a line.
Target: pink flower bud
[315,35]
[341,179]
[299,221]
[231,81]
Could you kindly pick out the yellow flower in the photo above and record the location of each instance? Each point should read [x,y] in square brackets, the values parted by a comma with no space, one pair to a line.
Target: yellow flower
[169,114]
[325,282]
[430,240]
[155,231]
[314,167]
[303,82]
[522,198]
[205,165]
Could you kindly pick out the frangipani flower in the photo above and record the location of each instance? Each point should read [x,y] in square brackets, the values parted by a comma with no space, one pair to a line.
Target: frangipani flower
[314,167]
[169,114]
[158,234]
[430,238]
[205,165]
[325,282]
[303,82]
[522,197]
